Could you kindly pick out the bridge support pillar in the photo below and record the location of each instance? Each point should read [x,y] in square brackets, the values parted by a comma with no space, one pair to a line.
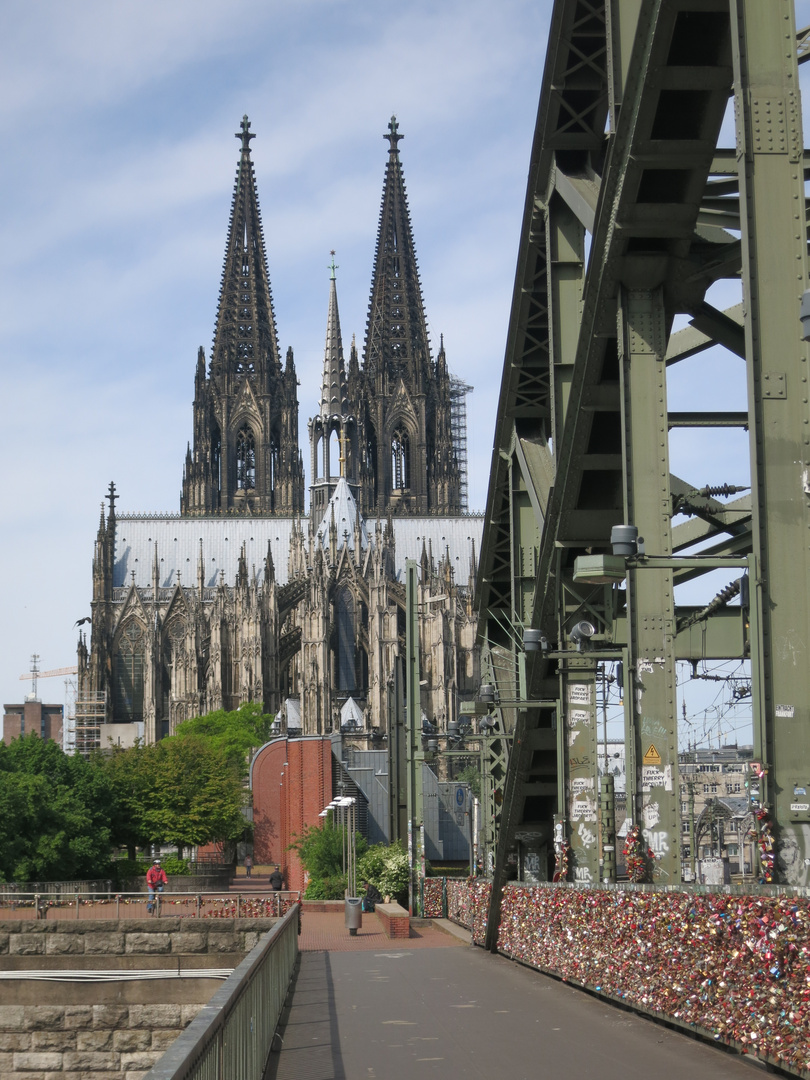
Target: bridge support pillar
[651,734]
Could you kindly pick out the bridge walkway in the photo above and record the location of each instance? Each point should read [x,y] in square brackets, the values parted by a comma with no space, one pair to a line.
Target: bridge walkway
[367,1008]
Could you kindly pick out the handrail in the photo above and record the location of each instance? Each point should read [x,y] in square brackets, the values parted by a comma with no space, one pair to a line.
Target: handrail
[243,903]
[231,1036]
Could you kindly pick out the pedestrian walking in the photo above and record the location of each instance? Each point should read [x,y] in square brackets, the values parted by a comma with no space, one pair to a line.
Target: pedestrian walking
[276,880]
[248,865]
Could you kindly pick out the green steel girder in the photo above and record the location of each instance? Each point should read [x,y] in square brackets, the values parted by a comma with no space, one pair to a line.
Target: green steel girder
[625,149]
[774,246]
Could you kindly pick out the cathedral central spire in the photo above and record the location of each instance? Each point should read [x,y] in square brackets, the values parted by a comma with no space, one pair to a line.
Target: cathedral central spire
[334,401]
[333,424]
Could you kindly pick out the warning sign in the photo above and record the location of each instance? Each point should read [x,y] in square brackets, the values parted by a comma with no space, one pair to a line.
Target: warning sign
[652,757]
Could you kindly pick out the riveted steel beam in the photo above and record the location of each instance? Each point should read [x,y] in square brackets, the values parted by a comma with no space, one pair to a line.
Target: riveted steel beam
[774,248]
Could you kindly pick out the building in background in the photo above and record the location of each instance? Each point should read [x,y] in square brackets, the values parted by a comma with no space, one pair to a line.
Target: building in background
[32,715]
[716,810]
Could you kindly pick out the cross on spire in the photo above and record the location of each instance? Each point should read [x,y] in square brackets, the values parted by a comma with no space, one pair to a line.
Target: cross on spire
[393,135]
[245,134]
[332,266]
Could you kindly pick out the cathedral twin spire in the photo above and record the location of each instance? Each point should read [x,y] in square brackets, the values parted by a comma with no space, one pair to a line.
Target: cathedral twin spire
[245,458]
[386,428]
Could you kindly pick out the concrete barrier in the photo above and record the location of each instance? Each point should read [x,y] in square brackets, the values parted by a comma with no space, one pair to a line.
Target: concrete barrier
[394,919]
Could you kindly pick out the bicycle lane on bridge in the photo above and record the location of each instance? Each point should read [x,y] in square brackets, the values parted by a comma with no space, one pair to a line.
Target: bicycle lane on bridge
[367,1008]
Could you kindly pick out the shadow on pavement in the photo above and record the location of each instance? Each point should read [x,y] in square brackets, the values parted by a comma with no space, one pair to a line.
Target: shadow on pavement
[308,1035]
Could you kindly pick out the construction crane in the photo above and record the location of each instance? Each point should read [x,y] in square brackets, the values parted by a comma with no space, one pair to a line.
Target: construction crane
[36,674]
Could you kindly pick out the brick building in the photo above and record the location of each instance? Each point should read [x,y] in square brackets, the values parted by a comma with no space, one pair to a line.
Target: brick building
[32,716]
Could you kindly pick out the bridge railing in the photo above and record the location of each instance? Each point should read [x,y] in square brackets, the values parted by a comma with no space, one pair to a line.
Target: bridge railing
[232,1035]
[17,906]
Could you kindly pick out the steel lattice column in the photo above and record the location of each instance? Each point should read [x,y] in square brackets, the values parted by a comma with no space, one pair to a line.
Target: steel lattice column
[772,199]
[650,707]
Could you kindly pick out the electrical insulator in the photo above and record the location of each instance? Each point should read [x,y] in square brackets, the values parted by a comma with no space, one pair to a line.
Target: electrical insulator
[723,489]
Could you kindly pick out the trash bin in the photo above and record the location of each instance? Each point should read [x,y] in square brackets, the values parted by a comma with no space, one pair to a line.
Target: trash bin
[353,914]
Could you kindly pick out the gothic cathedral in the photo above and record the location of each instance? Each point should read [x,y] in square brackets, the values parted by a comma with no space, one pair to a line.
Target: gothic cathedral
[243,595]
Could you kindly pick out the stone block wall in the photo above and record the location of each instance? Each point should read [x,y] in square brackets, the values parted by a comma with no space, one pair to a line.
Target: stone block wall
[75,1030]
[79,1041]
[131,938]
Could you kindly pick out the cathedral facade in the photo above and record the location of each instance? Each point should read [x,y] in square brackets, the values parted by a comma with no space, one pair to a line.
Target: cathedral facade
[247,596]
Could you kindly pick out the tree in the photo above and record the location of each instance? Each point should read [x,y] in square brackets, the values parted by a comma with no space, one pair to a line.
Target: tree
[127,771]
[237,734]
[471,774]
[55,813]
[182,791]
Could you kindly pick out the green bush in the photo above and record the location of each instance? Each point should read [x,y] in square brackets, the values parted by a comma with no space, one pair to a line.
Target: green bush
[129,869]
[174,866]
[386,868]
[329,888]
[320,848]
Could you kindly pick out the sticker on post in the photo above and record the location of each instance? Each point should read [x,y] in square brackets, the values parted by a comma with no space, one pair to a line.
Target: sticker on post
[653,777]
[786,711]
[579,718]
[581,785]
[579,694]
[583,810]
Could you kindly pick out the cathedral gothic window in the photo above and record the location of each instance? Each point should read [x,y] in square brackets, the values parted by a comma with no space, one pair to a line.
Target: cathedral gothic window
[128,666]
[346,673]
[400,461]
[245,460]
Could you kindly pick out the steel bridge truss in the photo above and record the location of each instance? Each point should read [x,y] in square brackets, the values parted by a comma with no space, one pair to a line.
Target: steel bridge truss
[668,167]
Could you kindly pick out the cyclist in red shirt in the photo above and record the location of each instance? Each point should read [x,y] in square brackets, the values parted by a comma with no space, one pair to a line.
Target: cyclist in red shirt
[155,881]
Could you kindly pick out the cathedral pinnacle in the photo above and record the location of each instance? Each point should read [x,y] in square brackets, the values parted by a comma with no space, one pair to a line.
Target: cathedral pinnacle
[332,267]
[245,134]
[393,135]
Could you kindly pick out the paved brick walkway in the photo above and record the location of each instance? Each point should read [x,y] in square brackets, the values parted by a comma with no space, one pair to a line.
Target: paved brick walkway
[326,933]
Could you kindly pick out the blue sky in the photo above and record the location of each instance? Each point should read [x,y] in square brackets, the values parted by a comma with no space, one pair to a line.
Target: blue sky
[117,125]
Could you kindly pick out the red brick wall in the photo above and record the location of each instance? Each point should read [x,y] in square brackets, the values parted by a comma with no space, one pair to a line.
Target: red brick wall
[287,798]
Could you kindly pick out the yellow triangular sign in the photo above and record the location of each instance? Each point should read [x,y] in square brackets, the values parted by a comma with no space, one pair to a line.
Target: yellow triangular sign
[652,757]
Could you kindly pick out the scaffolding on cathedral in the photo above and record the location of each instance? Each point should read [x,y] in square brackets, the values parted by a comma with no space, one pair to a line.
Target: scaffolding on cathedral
[458,429]
[91,712]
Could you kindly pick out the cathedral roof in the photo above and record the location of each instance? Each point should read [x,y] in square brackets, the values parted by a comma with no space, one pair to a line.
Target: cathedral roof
[351,715]
[342,511]
[178,540]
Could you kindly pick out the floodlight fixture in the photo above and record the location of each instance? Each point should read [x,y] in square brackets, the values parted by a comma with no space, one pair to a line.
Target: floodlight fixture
[624,540]
[534,641]
[487,694]
[581,634]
